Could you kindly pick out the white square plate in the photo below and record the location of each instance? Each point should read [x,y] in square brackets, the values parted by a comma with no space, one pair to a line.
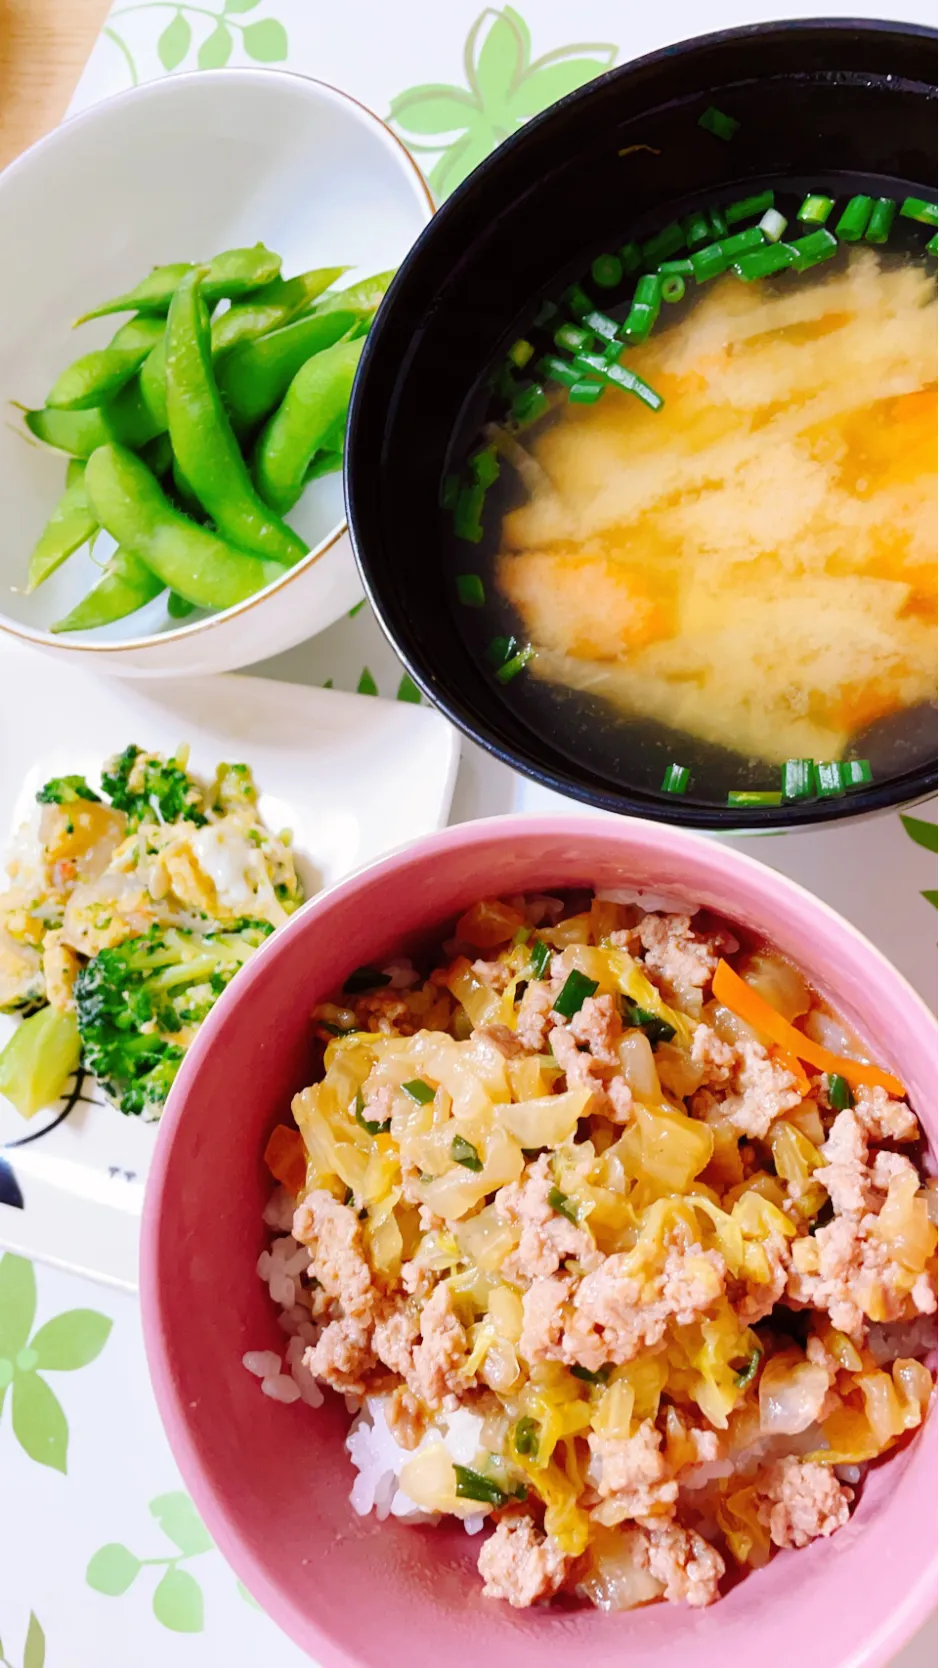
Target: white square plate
[351,776]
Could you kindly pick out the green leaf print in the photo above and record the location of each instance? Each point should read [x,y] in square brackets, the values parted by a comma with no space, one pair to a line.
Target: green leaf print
[408,690]
[265,42]
[179,1520]
[505,87]
[63,1344]
[39,1424]
[931,896]
[177,1602]
[247,1596]
[34,1651]
[215,50]
[241,5]
[71,1340]
[366,684]
[17,1303]
[112,1569]
[925,834]
[174,42]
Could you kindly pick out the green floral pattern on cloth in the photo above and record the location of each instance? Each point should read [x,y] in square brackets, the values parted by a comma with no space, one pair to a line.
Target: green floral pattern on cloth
[199,37]
[177,1598]
[68,1341]
[925,834]
[504,87]
[34,1650]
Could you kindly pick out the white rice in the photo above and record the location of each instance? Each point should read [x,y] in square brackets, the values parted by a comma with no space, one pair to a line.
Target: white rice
[379,1461]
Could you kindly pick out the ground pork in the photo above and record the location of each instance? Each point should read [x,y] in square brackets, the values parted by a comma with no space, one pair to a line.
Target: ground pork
[337,1256]
[631,1475]
[534,1013]
[506,1041]
[426,1346]
[598,1026]
[856,1275]
[395,1336]
[763,1091]
[547,1237]
[883,1119]
[495,974]
[686,1564]
[717,1058]
[760,1297]
[798,1501]
[543,1316]
[583,1071]
[342,1355]
[405,1418]
[615,1313]
[520,1564]
[676,953]
[844,1175]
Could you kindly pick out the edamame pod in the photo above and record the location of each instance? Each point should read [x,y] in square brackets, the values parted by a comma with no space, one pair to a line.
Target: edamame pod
[363,298]
[313,407]
[271,307]
[70,525]
[200,565]
[126,585]
[205,446]
[235,272]
[76,432]
[255,376]
[96,377]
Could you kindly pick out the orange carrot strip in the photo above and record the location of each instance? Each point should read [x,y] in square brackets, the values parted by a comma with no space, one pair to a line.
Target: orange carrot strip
[747,1004]
[794,1067]
[285,1157]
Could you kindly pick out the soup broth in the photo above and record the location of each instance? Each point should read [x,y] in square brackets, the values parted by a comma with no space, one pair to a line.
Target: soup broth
[748,575]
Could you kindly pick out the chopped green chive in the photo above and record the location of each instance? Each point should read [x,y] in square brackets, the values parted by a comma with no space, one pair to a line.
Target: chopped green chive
[470,590]
[638,323]
[717,221]
[828,783]
[585,393]
[675,779]
[773,225]
[563,1205]
[749,1372]
[472,1485]
[526,1436]
[621,378]
[717,122]
[511,668]
[854,217]
[602,325]
[529,405]
[675,269]
[465,1153]
[558,370]
[815,209]
[572,337]
[762,263]
[673,287]
[649,292]
[916,208]
[366,684]
[753,799]
[882,217]
[500,649]
[740,242]
[798,779]
[408,690]
[657,1030]
[365,978]
[466,516]
[419,1091]
[520,352]
[696,230]
[375,1126]
[601,1376]
[540,957]
[521,935]
[484,466]
[666,242]
[631,257]
[748,207]
[812,250]
[546,314]
[449,492]
[356,609]
[932,247]
[855,773]
[840,1095]
[576,300]
[573,994]
[709,262]
[607,271]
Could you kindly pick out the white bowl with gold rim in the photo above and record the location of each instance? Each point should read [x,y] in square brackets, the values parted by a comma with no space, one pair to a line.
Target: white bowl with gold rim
[177,170]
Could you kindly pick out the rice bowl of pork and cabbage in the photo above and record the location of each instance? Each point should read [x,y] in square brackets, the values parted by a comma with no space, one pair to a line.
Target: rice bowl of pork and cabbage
[616,1243]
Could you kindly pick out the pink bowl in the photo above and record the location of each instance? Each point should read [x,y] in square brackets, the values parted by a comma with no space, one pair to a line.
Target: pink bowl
[272,1482]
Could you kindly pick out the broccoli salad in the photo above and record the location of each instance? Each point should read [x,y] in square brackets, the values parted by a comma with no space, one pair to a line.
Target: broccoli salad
[129,910]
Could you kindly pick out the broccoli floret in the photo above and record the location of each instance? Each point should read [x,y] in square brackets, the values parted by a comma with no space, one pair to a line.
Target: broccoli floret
[133,1001]
[151,789]
[64,790]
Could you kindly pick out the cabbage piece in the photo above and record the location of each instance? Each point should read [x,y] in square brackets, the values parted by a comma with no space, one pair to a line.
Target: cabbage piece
[674,1148]
[455,1194]
[616,1577]
[547,1121]
[792,1393]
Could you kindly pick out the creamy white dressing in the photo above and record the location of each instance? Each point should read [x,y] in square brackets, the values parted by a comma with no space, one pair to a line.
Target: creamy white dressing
[237,871]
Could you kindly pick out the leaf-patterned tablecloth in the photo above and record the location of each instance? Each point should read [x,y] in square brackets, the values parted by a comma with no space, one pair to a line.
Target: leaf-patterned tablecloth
[103,1559]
